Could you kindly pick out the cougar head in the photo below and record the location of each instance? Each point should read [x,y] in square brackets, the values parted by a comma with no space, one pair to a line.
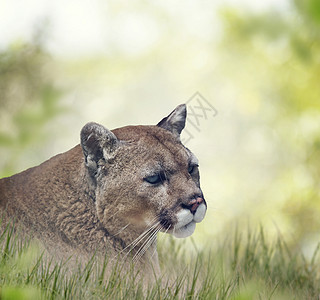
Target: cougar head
[144,176]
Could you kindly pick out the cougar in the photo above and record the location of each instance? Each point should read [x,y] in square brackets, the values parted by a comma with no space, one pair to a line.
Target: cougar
[111,194]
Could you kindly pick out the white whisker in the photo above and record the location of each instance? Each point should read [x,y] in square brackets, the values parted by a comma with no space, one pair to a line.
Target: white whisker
[142,250]
[155,250]
[145,239]
[141,237]
[123,228]
[112,216]
[152,221]
[150,234]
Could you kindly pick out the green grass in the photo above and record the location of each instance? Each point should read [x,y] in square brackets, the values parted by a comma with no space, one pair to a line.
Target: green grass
[243,266]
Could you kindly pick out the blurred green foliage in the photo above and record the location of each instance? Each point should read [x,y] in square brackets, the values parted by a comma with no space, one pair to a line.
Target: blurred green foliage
[20,293]
[28,101]
[282,48]
[242,266]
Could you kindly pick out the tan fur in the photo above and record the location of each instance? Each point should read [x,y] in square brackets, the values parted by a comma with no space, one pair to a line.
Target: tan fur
[73,212]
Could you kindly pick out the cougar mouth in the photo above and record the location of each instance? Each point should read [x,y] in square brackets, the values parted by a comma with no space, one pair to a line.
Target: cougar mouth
[185,221]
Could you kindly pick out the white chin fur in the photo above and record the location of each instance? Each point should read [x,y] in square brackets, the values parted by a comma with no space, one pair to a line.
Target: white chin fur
[187,221]
[184,231]
[200,213]
[184,217]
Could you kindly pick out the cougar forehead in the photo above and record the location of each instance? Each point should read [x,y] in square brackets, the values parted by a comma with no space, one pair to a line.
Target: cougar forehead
[155,145]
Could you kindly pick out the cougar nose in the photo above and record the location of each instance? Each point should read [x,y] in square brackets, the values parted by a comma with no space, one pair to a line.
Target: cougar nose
[194,204]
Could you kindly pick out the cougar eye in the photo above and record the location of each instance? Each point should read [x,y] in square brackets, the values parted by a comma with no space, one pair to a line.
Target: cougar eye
[153,179]
[192,168]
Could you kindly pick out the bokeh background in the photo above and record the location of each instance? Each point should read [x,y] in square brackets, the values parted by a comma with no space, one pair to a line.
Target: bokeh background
[256,63]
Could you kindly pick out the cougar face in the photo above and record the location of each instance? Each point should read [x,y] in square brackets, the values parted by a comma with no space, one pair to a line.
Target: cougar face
[149,176]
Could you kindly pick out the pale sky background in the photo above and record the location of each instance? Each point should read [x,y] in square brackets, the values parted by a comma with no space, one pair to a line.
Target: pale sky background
[82,27]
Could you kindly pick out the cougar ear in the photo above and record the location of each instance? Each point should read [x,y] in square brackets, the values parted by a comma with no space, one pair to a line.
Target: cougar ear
[97,143]
[176,121]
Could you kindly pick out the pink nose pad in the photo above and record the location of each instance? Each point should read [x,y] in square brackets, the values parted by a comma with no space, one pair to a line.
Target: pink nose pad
[195,203]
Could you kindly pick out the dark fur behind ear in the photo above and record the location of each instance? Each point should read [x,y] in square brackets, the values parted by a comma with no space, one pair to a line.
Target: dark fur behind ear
[176,121]
[97,143]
